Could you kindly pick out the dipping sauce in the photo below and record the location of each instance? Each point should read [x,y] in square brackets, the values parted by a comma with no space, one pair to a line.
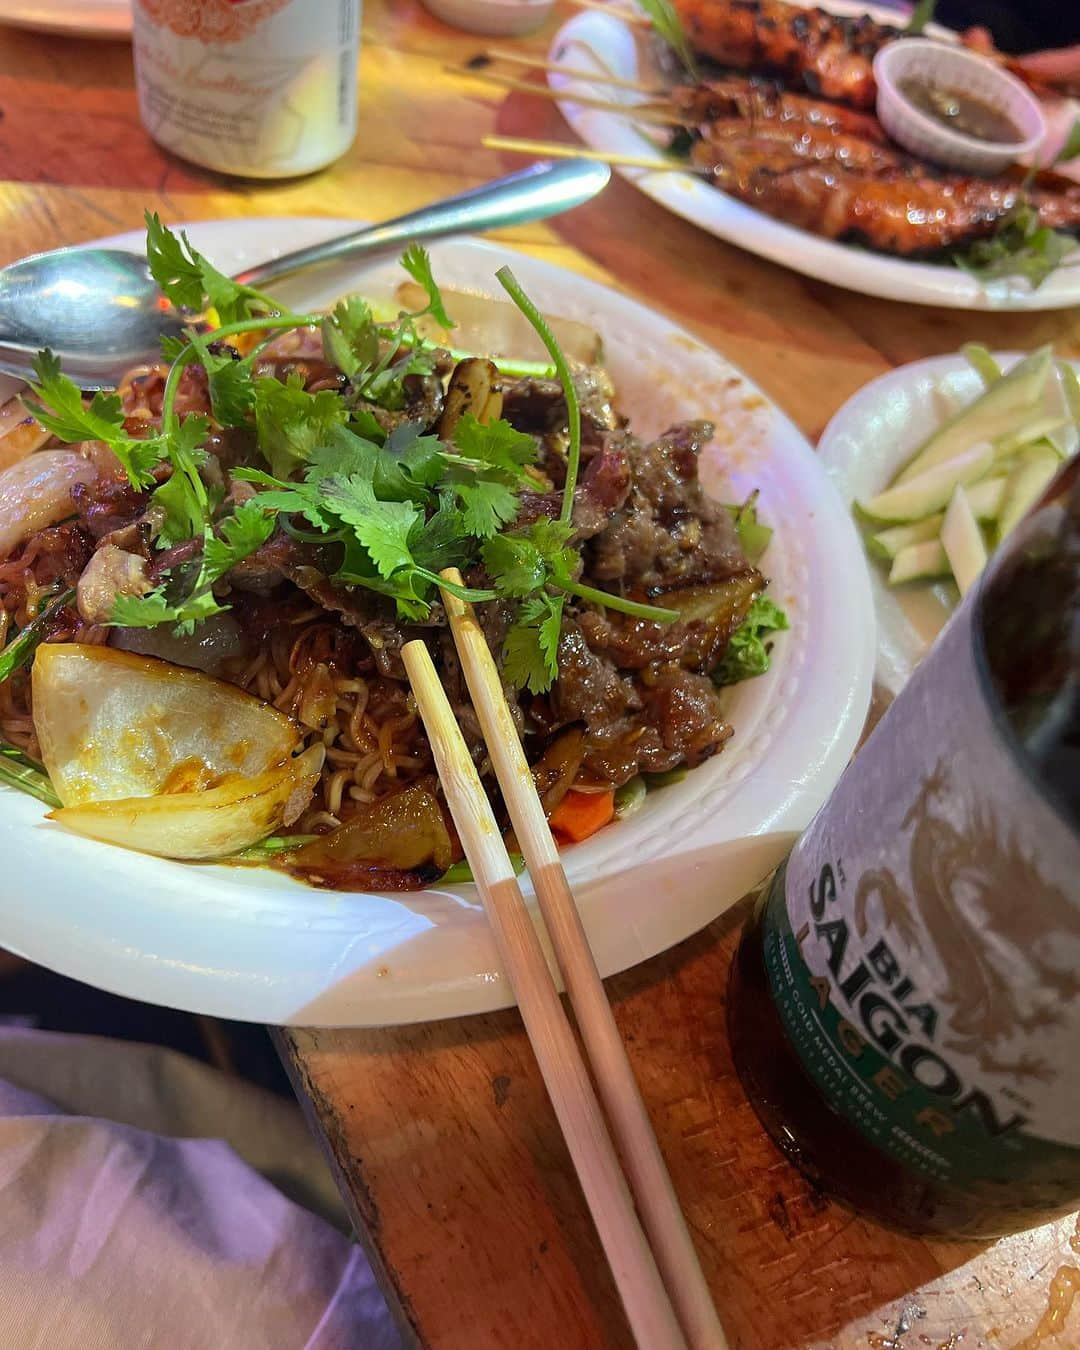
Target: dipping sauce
[961,111]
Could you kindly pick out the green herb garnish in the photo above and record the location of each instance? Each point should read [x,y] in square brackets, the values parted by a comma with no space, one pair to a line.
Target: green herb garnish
[21,772]
[754,537]
[238,535]
[748,649]
[20,650]
[461,871]
[1019,247]
[921,15]
[1071,147]
[191,282]
[668,25]
[57,404]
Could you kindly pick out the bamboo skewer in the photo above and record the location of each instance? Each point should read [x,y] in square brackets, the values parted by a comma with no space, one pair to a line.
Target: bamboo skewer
[648,1307]
[631,16]
[640,112]
[556,150]
[512,58]
[656,1199]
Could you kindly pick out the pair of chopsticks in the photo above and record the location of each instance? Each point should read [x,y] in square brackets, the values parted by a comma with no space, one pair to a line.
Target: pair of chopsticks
[662,1288]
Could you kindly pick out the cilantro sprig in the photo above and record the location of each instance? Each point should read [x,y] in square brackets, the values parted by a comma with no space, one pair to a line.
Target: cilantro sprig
[58,405]
[374,501]
[238,536]
[513,288]
[192,282]
[531,564]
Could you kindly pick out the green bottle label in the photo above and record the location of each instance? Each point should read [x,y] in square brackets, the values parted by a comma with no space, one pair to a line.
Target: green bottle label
[924,946]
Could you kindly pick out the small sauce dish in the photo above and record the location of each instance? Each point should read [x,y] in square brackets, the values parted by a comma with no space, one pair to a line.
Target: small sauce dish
[955,108]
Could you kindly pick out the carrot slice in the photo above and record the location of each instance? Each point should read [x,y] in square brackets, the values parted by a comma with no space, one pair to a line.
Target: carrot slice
[580,814]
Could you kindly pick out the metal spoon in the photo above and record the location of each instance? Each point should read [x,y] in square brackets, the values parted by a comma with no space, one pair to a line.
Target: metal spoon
[101,312]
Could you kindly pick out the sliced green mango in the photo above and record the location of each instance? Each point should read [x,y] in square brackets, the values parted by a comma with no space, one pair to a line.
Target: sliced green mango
[962,541]
[914,498]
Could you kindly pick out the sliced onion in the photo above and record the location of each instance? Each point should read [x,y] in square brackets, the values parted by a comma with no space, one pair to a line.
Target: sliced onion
[113,725]
[20,434]
[204,824]
[36,493]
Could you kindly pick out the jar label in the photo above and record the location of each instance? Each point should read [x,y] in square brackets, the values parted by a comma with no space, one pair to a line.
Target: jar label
[926,965]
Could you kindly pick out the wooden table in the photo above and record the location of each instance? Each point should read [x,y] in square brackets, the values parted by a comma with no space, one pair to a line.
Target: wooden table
[445,1144]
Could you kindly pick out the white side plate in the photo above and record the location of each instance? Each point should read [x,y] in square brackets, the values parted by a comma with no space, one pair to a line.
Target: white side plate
[863,448]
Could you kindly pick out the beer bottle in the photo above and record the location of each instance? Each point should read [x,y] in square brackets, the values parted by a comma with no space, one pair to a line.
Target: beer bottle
[904,1007]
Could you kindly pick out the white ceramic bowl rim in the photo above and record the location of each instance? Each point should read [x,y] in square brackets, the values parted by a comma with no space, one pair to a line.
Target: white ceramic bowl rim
[900,54]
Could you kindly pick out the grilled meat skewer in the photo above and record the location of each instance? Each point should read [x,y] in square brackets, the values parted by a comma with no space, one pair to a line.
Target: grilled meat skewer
[828,55]
[899,210]
[759,100]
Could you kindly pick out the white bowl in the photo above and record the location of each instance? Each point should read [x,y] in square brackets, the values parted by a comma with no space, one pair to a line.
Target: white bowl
[499,18]
[939,63]
[247,942]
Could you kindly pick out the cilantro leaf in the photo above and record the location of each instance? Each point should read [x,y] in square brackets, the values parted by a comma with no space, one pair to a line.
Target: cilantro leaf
[551,538]
[486,506]
[290,423]
[301,499]
[440,541]
[747,652]
[419,455]
[486,472]
[530,652]
[143,611]
[173,264]
[381,527]
[417,262]
[515,565]
[497,444]
[58,406]
[171,346]
[351,336]
[191,282]
[240,534]
[184,496]
[232,392]
[184,515]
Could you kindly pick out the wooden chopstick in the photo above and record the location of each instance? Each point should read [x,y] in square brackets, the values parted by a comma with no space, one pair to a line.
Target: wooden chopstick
[557,150]
[655,1195]
[638,112]
[648,1307]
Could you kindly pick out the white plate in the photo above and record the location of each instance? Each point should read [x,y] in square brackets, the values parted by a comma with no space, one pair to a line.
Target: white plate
[72,18]
[863,448]
[592,40]
[250,943]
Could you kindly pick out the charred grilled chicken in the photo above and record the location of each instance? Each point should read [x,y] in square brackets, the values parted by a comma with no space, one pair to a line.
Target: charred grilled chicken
[827,55]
